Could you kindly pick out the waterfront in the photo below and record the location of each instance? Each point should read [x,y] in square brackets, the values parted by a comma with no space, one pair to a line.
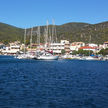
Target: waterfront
[53,84]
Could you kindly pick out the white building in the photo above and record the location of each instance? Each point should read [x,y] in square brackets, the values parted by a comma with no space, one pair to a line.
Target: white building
[105,44]
[76,45]
[64,42]
[92,45]
[13,48]
[89,48]
[58,47]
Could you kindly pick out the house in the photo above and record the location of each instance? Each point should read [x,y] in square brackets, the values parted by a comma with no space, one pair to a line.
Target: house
[58,47]
[92,45]
[76,45]
[89,48]
[106,44]
[13,48]
[66,46]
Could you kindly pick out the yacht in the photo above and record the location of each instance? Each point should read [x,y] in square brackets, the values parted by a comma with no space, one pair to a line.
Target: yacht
[25,56]
[21,56]
[89,58]
[46,56]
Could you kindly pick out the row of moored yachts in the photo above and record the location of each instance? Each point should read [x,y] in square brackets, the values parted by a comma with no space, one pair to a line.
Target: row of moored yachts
[102,58]
[39,55]
[46,55]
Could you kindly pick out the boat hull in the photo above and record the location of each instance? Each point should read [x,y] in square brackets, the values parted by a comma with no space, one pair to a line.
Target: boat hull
[89,58]
[26,56]
[47,58]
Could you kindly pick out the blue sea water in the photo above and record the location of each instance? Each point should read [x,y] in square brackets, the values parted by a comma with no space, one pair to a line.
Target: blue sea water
[53,84]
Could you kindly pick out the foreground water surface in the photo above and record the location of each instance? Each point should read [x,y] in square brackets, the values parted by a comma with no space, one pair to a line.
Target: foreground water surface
[53,84]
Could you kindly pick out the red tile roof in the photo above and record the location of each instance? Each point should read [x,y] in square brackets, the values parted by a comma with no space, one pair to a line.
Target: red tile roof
[87,47]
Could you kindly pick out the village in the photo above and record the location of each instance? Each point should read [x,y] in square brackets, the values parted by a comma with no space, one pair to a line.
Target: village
[64,47]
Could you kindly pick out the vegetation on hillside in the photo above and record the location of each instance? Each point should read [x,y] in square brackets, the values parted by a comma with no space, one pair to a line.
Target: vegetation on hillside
[70,31]
[10,33]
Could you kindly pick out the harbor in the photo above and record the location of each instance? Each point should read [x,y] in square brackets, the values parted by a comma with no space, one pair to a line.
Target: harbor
[62,50]
[54,54]
[52,48]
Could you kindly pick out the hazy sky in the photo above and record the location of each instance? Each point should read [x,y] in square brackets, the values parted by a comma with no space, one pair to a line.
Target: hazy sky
[28,13]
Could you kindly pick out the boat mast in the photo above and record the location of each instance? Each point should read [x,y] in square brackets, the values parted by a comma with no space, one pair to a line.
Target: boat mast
[24,39]
[47,32]
[31,38]
[38,36]
[46,35]
[54,36]
[89,43]
[53,31]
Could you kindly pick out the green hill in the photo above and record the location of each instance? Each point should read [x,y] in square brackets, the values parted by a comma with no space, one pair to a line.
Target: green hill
[70,31]
[82,32]
[10,33]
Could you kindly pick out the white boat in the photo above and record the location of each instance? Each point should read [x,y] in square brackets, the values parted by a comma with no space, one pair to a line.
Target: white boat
[25,56]
[105,58]
[89,58]
[46,56]
[22,56]
[77,57]
[66,56]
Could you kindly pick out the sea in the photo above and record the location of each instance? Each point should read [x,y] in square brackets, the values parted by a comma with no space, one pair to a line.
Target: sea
[53,83]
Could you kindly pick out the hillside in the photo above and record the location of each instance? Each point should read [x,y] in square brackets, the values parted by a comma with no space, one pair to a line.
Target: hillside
[10,33]
[98,32]
[70,31]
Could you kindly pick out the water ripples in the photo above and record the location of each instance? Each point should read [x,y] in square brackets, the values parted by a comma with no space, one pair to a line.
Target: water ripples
[53,84]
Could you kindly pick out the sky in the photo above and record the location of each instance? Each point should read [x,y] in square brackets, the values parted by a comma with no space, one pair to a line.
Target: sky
[30,13]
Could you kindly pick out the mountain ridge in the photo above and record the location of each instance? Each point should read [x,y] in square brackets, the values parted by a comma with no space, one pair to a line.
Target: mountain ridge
[72,31]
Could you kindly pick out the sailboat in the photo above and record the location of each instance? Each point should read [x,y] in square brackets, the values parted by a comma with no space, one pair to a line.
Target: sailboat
[46,55]
[23,56]
[26,55]
[30,54]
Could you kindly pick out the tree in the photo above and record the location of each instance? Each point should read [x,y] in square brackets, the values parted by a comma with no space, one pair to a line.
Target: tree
[63,51]
[104,51]
[84,52]
[74,52]
[27,42]
[6,42]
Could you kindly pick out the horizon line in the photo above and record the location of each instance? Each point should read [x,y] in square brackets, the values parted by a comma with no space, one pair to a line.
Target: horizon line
[52,24]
